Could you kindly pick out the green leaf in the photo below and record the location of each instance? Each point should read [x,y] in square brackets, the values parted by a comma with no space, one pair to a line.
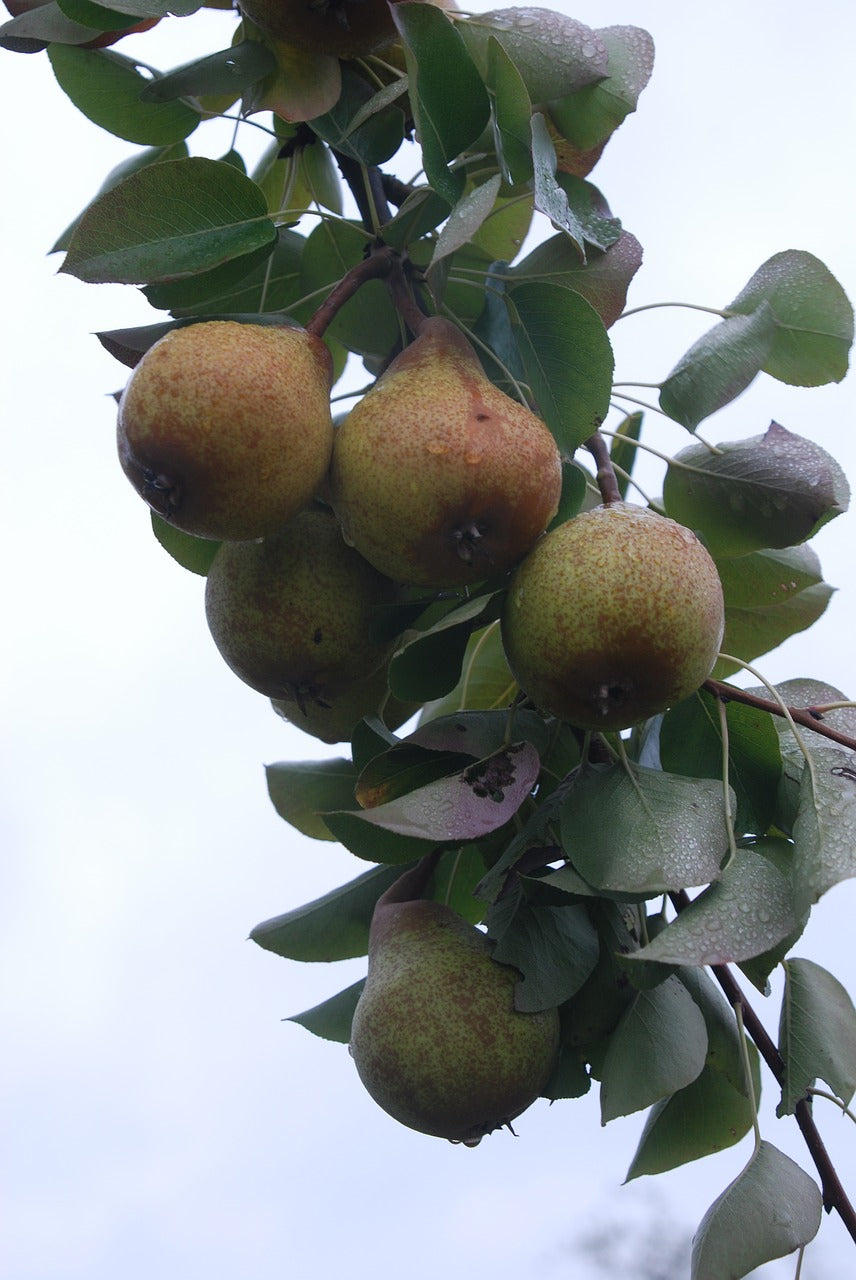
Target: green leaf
[554,54]
[106,87]
[817,1034]
[772,1208]
[718,367]
[263,282]
[589,116]
[486,682]
[769,596]
[770,491]
[373,843]
[367,324]
[814,318]
[603,280]
[555,950]
[658,1047]
[302,790]
[332,1018]
[169,220]
[512,110]
[824,829]
[449,100]
[470,804]
[706,1116]
[333,927]
[352,127]
[567,357]
[428,663]
[466,218]
[191,553]
[31,30]
[748,911]
[227,71]
[691,744]
[549,196]
[664,831]
[89,14]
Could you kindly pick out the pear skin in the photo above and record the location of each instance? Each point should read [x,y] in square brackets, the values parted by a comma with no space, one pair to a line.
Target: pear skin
[613,617]
[300,615]
[333,718]
[435,1036]
[225,429]
[438,478]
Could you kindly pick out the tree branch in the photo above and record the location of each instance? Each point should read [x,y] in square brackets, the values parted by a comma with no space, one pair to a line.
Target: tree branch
[810,718]
[607,481]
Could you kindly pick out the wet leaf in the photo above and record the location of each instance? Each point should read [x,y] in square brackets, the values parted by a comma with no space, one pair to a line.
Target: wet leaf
[302,790]
[512,111]
[718,367]
[466,218]
[227,71]
[603,279]
[817,1034]
[555,950]
[824,829]
[772,1208]
[554,54]
[588,117]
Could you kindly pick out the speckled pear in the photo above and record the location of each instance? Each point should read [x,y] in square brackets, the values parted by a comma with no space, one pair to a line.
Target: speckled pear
[439,478]
[613,617]
[300,615]
[435,1036]
[225,429]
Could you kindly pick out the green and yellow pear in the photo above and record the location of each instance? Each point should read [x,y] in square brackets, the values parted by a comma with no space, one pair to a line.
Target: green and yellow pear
[334,716]
[438,478]
[613,617]
[225,428]
[435,1037]
[299,615]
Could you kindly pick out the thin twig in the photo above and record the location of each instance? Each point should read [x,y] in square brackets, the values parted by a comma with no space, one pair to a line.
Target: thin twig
[809,718]
[607,481]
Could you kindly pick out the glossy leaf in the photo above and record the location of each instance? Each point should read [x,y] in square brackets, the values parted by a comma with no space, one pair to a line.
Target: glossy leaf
[486,683]
[824,829]
[704,1117]
[603,280]
[745,913]
[567,356]
[169,220]
[303,790]
[449,101]
[190,552]
[772,1208]
[774,490]
[554,54]
[228,71]
[769,596]
[718,367]
[549,196]
[106,87]
[813,316]
[665,832]
[658,1047]
[367,323]
[588,117]
[332,1018]
[333,927]
[512,110]
[372,141]
[428,664]
[466,218]
[555,950]
[817,1034]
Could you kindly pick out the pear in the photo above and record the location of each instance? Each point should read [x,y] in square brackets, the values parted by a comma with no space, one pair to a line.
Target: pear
[299,615]
[438,478]
[613,617]
[339,28]
[435,1037]
[333,718]
[225,428]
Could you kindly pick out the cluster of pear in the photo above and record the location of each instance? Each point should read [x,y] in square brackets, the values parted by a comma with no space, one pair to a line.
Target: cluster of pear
[436,479]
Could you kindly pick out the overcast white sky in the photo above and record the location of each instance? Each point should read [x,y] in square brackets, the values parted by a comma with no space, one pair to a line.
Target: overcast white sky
[159,1118]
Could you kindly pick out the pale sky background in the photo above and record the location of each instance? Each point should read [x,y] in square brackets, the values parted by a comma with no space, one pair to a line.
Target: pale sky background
[158,1117]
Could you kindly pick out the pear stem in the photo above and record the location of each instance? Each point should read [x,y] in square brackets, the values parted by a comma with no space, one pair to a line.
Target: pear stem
[379,263]
[403,300]
[607,481]
[413,882]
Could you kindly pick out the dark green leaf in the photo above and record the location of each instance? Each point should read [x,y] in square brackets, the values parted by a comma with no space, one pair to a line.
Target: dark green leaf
[588,117]
[770,491]
[106,87]
[555,950]
[302,790]
[824,829]
[227,71]
[769,596]
[718,367]
[622,453]
[481,733]
[569,1079]
[706,1116]
[817,1034]
[603,280]
[449,100]
[658,1047]
[191,553]
[371,142]
[664,831]
[334,927]
[567,356]
[373,843]
[814,318]
[772,1208]
[97,16]
[332,1018]
[367,324]
[428,663]
[691,744]
[554,54]
[169,220]
[219,289]
[512,110]
[486,682]
[466,218]
[549,196]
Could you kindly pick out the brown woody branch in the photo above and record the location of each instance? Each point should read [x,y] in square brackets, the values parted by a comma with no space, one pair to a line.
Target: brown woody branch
[809,718]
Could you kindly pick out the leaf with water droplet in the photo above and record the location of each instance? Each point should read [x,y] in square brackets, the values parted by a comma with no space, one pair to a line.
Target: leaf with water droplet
[663,831]
[824,829]
[227,71]
[555,950]
[554,54]
[769,491]
[772,1208]
[747,911]
[718,367]
[588,117]
[817,1034]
